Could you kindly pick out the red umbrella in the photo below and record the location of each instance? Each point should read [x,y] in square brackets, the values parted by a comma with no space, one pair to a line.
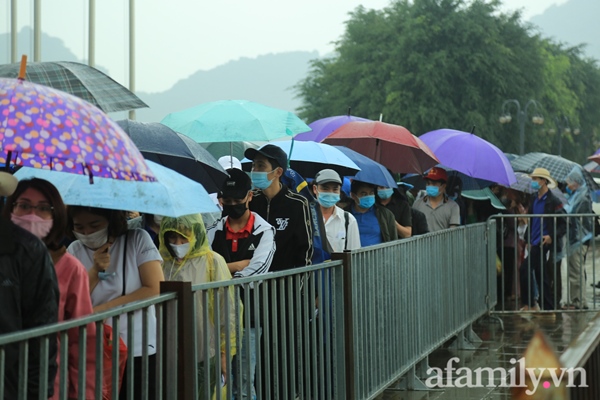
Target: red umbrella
[391,145]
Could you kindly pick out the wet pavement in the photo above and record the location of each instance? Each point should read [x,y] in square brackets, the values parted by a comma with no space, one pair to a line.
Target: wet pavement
[497,349]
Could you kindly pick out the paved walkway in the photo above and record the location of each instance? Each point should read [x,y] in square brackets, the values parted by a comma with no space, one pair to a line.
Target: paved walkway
[499,346]
[496,350]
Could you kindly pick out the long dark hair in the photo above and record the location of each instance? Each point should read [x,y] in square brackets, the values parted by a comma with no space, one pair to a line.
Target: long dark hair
[56,235]
[117,220]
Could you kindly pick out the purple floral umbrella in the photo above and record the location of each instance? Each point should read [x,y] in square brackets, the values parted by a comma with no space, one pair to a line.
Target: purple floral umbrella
[322,128]
[41,127]
[467,153]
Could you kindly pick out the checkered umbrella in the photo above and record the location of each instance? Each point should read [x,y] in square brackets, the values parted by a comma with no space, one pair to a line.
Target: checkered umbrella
[80,80]
[523,183]
[558,167]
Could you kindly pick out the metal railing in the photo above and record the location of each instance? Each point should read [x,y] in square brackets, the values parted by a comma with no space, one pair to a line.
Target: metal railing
[583,354]
[41,338]
[548,277]
[344,329]
[405,299]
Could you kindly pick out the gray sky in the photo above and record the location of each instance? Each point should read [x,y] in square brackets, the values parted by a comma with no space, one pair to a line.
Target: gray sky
[175,38]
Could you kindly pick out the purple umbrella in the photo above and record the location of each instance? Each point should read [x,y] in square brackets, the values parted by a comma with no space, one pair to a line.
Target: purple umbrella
[322,128]
[41,127]
[471,155]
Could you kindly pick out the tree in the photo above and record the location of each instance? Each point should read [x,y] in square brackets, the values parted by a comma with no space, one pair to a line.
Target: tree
[430,64]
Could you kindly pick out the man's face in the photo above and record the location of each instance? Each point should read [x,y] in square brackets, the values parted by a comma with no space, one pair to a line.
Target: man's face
[440,184]
[362,191]
[539,180]
[230,201]
[329,187]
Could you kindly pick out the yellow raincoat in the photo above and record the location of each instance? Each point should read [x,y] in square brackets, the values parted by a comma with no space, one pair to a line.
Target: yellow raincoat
[201,265]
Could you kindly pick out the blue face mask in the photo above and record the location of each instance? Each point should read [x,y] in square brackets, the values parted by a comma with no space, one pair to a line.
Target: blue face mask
[260,180]
[569,191]
[327,199]
[432,191]
[366,201]
[535,185]
[385,193]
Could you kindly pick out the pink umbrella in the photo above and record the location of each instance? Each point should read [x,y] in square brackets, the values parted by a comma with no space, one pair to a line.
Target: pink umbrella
[41,127]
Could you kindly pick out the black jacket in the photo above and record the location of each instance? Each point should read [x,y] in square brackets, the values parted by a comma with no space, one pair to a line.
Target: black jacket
[289,213]
[29,299]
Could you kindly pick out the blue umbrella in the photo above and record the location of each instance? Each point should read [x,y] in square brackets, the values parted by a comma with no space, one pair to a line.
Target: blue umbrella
[370,171]
[308,158]
[172,195]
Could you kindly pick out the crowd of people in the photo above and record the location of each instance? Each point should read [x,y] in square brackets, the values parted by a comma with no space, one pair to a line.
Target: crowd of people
[62,262]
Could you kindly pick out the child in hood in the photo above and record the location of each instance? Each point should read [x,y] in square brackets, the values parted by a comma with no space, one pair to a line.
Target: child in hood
[187,257]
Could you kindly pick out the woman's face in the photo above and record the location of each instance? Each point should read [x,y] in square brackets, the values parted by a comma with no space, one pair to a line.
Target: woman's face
[31,201]
[87,223]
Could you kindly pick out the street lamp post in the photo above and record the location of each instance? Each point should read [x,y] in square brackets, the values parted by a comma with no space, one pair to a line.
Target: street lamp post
[506,117]
[563,126]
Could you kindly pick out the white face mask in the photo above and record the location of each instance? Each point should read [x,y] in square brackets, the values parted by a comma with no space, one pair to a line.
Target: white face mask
[93,240]
[38,226]
[180,250]
[158,219]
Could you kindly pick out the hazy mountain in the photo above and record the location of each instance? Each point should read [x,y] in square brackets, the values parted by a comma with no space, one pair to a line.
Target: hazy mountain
[267,79]
[53,49]
[574,22]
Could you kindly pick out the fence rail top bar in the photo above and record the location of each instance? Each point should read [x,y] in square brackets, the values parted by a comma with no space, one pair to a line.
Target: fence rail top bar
[267,276]
[75,323]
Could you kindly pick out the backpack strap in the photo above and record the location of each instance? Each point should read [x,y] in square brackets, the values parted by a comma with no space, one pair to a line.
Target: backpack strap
[346,223]
[124,264]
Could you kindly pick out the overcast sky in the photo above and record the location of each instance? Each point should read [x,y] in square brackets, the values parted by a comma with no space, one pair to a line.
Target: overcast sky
[175,38]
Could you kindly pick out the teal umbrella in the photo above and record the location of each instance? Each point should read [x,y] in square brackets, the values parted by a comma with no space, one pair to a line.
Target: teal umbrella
[484,194]
[233,121]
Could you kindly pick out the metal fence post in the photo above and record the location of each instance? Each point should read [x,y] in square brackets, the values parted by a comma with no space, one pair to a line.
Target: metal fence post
[347,379]
[183,336]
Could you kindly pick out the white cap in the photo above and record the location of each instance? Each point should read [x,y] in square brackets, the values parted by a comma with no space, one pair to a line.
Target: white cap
[230,162]
[8,184]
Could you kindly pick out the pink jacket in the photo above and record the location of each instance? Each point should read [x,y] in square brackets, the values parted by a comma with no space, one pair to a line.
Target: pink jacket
[75,302]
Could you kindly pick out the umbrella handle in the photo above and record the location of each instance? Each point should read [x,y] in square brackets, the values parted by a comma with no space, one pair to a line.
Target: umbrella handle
[290,155]
[23,68]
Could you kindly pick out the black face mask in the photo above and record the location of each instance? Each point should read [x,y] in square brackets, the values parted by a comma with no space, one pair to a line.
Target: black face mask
[235,211]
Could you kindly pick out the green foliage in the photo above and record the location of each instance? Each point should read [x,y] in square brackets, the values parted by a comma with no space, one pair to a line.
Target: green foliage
[430,64]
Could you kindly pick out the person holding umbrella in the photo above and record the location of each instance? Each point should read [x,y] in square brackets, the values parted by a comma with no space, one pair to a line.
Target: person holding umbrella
[441,211]
[580,233]
[397,203]
[38,208]
[542,234]
[290,214]
[123,266]
[29,297]
[340,226]
[247,243]
[376,223]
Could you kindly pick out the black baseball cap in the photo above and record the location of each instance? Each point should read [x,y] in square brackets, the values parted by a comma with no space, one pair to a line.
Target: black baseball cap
[275,154]
[236,186]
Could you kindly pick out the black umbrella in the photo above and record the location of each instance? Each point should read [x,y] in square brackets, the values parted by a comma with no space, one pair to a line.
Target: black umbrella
[164,146]
[80,80]
[558,167]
